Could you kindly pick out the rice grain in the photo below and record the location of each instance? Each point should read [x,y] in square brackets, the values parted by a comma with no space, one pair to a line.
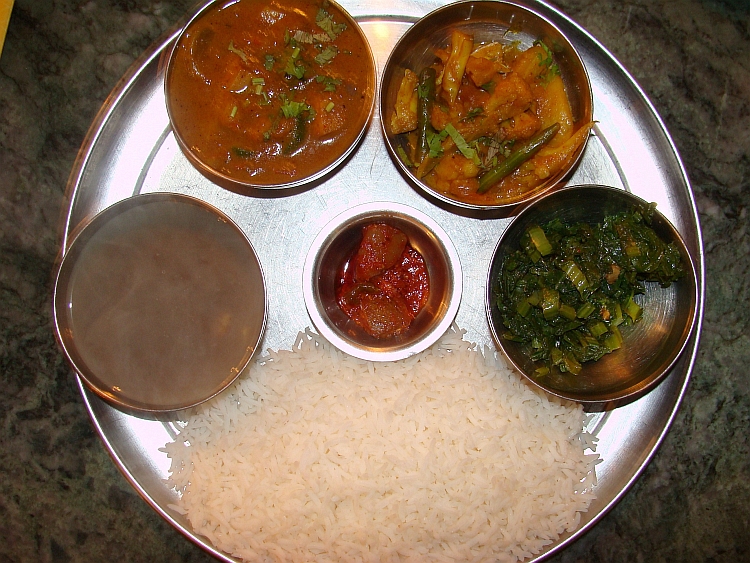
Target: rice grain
[445,456]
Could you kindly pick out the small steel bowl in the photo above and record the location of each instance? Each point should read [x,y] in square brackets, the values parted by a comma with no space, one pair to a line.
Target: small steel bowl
[486,20]
[333,247]
[159,303]
[183,78]
[650,346]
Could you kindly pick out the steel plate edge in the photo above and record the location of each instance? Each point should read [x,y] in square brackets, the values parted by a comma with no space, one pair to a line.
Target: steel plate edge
[111,451]
[118,92]
[699,264]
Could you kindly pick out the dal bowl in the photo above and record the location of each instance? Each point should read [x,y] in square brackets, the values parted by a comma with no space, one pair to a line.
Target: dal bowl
[650,346]
[503,96]
[264,96]
[159,303]
[334,247]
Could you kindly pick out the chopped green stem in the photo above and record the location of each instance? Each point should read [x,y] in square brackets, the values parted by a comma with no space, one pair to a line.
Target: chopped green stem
[539,240]
[516,158]
[534,298]
[613,341]
[575,275]
[567,311]
[425,99]
[633,310]
[550,303]
[570,364]
[598,328]
[585,310]
[523,307]
[297,135]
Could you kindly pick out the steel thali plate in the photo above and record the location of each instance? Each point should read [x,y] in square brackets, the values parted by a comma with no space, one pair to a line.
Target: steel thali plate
[130,149]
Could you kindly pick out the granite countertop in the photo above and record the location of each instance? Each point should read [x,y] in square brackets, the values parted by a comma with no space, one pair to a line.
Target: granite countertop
[61,497]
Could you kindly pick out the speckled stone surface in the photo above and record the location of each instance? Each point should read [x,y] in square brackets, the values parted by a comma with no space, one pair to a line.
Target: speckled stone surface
[61,497]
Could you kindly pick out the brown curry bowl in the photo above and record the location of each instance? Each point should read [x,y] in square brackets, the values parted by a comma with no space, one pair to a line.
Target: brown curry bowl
[333,247]
[487,21]
[650,346]
[269,96]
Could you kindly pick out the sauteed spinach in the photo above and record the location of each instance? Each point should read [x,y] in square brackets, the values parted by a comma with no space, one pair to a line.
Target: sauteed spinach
[569,288]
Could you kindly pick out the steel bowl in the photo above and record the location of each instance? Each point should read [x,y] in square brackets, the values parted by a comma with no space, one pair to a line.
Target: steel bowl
[336,243]
[184,113]
[159,303]
[650,346]
[486,20]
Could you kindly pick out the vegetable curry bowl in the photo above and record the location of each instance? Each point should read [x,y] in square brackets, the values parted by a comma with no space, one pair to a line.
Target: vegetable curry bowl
[485,104]
[269,94]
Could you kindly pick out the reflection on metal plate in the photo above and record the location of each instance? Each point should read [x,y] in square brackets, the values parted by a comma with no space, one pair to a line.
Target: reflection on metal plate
[130,149]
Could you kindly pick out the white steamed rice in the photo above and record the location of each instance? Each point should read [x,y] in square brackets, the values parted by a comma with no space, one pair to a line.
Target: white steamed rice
[446,456]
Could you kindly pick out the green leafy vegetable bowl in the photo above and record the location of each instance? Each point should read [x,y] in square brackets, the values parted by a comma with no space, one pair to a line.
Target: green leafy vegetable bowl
[592,294]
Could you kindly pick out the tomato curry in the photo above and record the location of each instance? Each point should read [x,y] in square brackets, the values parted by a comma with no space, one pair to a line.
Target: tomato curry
[384,284]
[270,92]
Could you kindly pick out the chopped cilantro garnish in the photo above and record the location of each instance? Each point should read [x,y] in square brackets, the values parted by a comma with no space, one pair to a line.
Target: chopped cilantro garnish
[302,36]
[269,62]
[330,83]
[326,55]
[306,37]
[326,23]
[291,108]
[294,66]
[435,143]
[461,144]
[295,69]
[547,61]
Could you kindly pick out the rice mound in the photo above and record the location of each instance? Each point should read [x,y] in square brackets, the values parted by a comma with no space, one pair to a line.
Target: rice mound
[446,456]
